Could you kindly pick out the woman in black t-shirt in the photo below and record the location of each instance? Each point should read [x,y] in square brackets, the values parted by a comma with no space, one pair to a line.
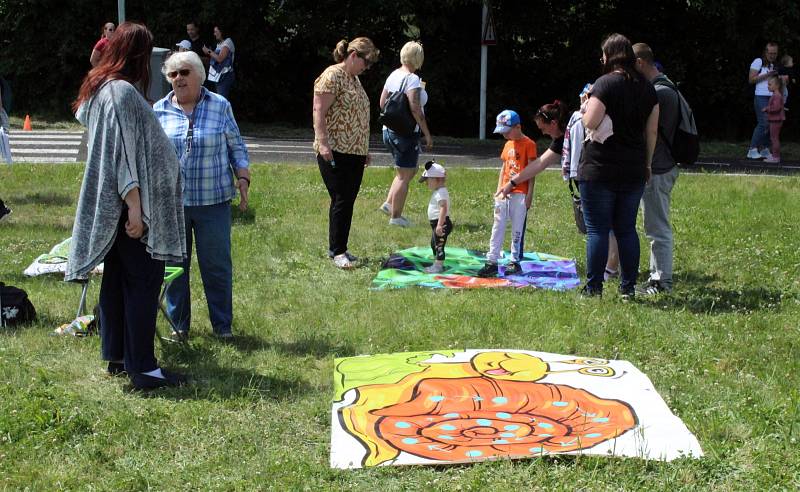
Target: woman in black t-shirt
[613,173]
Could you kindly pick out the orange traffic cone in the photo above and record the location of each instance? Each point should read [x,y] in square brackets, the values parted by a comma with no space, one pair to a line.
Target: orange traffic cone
[27,125]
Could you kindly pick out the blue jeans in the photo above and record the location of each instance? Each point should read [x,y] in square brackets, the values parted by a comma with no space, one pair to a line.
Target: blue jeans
[223,87]
[405,150]
[611,206]
[212,233]
[760,139]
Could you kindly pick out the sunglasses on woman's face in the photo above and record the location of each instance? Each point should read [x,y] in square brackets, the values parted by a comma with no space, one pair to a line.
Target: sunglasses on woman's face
[184,72]
[367,63]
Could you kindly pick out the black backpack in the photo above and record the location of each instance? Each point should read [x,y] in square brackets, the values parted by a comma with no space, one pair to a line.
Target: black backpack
[15,307]
[396,112]
[685,146]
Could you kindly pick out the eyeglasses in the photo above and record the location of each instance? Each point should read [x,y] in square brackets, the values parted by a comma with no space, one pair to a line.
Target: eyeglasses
[184,72]
[367,63]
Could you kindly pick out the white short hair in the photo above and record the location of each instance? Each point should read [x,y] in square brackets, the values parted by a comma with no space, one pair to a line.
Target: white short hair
[412,54]
[182,59]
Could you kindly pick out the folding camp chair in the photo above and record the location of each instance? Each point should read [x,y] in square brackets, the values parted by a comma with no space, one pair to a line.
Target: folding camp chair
[170,274]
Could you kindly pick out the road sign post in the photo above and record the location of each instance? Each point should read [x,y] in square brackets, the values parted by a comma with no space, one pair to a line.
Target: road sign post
[488,38]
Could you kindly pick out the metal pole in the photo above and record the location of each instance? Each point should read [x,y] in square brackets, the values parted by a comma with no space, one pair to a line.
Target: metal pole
[484,55]
[121,11]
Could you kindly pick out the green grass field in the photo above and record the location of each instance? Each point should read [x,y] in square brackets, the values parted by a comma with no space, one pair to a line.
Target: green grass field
[722,349]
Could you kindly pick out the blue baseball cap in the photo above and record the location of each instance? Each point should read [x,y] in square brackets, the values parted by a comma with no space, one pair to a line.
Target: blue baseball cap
[505,120]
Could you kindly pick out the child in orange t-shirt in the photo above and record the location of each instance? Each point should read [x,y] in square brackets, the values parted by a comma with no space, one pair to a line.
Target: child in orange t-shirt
[518,152]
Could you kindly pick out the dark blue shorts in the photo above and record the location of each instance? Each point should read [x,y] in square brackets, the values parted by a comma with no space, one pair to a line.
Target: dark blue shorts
[405,150]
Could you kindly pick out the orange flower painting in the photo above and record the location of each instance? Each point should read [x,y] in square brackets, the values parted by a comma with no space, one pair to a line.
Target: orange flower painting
[462,406]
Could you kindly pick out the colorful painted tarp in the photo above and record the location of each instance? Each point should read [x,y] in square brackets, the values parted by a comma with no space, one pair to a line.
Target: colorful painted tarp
[462,406]
[405,269]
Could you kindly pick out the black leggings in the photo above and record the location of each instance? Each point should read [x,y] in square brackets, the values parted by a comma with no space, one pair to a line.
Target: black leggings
[438,242]
[343,180]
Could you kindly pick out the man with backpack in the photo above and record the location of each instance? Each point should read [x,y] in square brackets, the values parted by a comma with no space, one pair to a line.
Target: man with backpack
[656,198]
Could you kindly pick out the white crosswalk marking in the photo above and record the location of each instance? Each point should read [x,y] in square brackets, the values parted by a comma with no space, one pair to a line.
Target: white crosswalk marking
[47,146]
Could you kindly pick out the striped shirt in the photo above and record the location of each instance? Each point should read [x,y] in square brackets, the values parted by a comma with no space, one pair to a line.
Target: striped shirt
[214,152]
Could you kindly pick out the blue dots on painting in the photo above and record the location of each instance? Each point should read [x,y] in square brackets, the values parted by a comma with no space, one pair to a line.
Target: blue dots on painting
[594,434]
[507,434]
[402,425]
[445,437]
[511,427]
[448,427]
[545,435]
[500,400]
[500,441]
[600,419]
[437,398]
[560,404]
[474,454]
[451,415]
[484,422]
[410,440]
[477,398]
[535,450]
[503,415]
[545,425]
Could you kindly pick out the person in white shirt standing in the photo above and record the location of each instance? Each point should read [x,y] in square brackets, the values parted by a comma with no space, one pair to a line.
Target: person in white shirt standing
[760,71]
[438,213]
[405,150]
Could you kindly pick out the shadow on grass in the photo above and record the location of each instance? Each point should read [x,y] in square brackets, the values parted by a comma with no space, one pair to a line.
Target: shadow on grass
[242,218]
[696,292]
[43,199]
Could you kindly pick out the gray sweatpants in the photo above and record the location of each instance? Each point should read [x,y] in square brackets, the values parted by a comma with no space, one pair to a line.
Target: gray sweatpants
[657,228]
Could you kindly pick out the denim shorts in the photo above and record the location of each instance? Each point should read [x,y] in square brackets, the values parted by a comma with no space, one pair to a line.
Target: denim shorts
[405,150]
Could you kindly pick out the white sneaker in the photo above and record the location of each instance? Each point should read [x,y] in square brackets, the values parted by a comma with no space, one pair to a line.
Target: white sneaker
[400,221]
[753,153]
[765,154]
[343,262]
[385,208]
[435,268]
[772,160]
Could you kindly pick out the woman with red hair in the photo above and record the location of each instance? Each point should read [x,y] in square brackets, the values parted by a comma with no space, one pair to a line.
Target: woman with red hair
[130,210]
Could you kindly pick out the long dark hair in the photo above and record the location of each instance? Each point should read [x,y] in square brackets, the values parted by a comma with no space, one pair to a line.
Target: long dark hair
[619,56]
[127,57]
[557,111]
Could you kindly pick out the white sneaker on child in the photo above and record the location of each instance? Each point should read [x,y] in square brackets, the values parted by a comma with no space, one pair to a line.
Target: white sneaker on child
[765,154]
[753,154]
[435,268]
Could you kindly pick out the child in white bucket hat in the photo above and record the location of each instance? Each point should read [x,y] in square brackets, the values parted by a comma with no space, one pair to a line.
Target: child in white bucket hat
[438,213]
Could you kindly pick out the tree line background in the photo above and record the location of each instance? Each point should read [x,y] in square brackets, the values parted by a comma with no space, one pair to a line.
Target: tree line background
[545,50]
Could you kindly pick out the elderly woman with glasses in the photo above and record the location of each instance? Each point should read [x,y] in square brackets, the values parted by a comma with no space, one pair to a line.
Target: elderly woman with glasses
[341,138]
[214,163]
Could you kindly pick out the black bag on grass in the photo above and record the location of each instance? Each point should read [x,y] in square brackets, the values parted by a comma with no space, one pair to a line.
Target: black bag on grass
[15,307]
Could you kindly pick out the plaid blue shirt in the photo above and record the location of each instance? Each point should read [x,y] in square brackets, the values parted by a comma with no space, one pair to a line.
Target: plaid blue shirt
[214,152]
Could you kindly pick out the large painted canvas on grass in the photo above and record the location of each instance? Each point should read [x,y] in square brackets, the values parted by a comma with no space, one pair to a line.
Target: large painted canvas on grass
[461,406]
[405,268]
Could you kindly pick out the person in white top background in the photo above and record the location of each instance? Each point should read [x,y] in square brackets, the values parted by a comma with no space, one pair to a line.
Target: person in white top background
[405,150]
[760,71]
[438,213]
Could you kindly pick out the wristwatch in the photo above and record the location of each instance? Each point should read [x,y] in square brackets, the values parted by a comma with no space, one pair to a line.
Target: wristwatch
[513,183]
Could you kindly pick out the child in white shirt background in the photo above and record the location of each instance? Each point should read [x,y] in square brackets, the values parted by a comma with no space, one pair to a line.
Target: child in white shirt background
[438,213]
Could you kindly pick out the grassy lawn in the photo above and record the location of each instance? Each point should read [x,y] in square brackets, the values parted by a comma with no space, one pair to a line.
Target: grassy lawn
[722,350]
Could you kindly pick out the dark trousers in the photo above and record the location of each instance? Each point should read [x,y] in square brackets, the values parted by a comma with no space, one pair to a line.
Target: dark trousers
[438,242]
[129,303]
[343,180]
[606,207]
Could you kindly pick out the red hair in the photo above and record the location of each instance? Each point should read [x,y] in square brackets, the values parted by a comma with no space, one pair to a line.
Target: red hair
[127,57]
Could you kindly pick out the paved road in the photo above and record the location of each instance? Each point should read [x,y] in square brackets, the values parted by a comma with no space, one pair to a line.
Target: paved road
[70,146]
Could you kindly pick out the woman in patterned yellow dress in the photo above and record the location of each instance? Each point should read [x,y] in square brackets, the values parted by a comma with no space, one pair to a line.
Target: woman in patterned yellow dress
[341,137]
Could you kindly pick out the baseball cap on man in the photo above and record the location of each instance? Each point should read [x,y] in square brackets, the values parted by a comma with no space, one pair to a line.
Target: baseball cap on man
[432,170]
[505,120]
[185,44]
